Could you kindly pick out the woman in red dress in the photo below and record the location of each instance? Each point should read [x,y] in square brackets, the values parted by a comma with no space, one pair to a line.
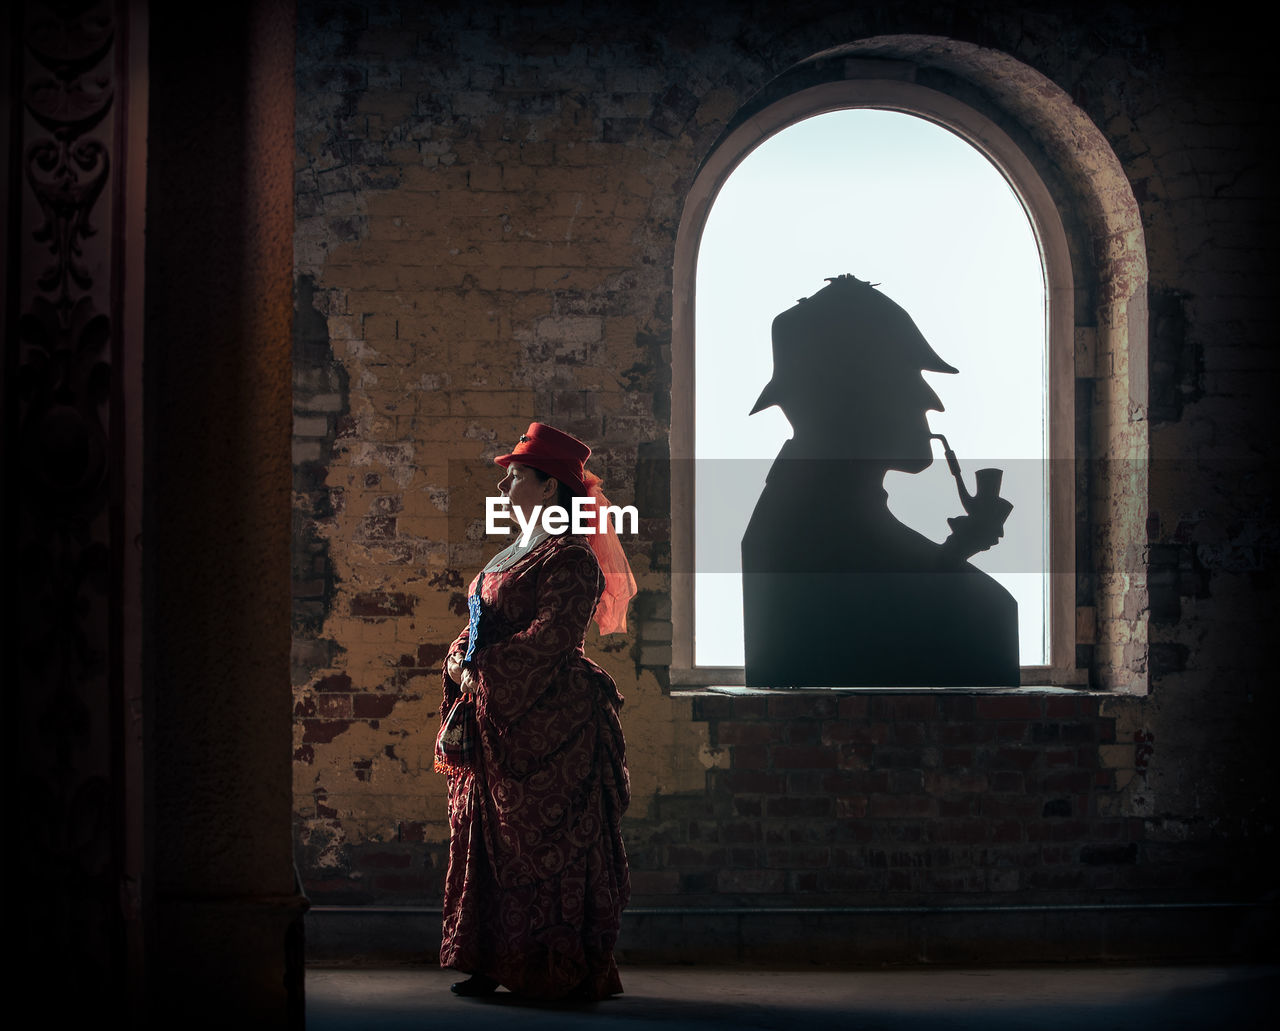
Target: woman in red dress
[537,876]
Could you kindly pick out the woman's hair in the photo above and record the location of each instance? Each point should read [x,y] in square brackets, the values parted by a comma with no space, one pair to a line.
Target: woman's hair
[564,496]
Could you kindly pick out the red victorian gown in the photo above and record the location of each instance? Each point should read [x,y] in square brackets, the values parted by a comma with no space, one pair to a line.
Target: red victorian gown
[538,875]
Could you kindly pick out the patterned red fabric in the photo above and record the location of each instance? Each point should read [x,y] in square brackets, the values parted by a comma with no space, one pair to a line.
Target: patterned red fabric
[538,875]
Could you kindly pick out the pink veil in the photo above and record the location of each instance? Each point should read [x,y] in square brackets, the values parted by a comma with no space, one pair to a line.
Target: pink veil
[619,584]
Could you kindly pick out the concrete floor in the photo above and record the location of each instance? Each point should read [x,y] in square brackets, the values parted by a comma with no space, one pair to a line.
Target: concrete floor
[687,998]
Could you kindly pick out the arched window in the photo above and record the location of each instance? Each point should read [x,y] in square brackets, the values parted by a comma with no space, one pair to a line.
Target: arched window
[1038,457]
[899,200]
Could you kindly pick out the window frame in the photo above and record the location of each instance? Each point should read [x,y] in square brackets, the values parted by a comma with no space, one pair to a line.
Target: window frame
[982,133]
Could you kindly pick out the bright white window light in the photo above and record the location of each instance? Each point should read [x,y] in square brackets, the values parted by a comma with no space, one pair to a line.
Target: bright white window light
[904,203]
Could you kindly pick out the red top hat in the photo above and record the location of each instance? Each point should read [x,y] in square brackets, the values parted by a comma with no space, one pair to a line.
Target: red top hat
[553,452]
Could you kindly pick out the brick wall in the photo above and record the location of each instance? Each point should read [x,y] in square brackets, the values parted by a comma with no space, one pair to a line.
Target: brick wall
[913,799]
[486,209]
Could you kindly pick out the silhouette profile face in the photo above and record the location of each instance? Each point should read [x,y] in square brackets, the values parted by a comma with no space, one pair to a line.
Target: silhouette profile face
[848,375]
[873,415]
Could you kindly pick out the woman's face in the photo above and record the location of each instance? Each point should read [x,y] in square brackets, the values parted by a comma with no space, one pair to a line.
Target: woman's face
[526,491]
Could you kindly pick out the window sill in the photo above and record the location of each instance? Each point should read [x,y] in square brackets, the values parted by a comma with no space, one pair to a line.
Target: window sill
[728,680]
[738,691]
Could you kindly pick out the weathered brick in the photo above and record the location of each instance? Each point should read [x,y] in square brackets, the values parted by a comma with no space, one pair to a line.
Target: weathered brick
[966,733]
[740,832]
[1013,730]
[955,783]
[706,709]
[413,831]
[788,807]
[746,733]
[801,732]
[750,757]
[1066,781]
[382,604]
[1005,831]
[836,731]
[333,706]
[1007,781]
[1009,707]
[911,707]
[802,757]
[1022,759]
[907,782]
[373,706]
[901,806]
[1065,708]
[802,707]
[751,781]
[853,707]
[383,860]
[334,681]
[322,732]
[967,831]
[908,758]
[750,708]
[843,782]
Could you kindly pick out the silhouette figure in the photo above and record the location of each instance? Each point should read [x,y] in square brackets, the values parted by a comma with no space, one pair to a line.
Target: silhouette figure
[836,591]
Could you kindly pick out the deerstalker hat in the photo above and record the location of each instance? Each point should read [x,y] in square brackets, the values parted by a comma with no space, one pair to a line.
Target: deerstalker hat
[553,452]
[846,323]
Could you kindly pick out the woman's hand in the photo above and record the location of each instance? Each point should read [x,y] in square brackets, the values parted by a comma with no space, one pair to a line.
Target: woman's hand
[463,676]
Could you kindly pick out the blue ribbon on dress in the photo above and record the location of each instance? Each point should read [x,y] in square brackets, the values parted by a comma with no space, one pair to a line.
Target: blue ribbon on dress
[473,627]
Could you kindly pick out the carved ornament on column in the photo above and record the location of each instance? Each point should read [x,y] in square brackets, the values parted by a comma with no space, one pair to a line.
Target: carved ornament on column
[59,477]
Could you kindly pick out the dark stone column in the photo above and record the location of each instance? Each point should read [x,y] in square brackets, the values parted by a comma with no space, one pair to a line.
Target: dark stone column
[218,411]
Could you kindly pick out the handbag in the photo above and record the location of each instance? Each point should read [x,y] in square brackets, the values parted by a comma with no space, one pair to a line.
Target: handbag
[457,741]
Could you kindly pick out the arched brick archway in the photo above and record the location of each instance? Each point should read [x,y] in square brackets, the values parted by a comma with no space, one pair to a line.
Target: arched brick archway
[1090,233]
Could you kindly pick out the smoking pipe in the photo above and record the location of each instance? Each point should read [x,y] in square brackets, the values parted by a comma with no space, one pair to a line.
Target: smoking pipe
[987,510]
